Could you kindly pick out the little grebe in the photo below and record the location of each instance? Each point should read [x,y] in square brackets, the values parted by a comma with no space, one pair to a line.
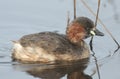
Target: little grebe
[49,47]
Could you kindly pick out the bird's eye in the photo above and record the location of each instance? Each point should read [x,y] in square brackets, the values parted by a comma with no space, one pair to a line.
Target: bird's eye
[92,32]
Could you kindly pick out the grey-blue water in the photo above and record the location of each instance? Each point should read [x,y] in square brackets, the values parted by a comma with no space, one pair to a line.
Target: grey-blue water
[21,17]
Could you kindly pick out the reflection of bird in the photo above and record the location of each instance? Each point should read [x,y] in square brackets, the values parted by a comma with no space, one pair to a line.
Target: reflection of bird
[78,75]
[53,47]
[71,70]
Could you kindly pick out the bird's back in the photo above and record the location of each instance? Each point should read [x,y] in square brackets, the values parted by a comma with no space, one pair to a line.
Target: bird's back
[54,46]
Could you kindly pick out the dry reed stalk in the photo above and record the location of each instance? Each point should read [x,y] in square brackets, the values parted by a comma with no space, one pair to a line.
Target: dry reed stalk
[91,41]
[74,2]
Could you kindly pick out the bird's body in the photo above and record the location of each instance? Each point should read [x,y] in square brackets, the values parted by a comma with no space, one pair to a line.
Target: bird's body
[48,47]
[52,47]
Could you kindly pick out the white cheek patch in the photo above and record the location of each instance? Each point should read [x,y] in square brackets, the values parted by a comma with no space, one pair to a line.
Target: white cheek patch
[92,32]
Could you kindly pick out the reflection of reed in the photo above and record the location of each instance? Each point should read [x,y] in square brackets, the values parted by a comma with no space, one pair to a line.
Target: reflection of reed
[73,70]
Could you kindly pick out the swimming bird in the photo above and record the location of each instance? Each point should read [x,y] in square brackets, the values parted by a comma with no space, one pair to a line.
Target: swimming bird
[52,47]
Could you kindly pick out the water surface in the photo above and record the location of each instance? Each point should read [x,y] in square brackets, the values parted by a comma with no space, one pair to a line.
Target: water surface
[18,18]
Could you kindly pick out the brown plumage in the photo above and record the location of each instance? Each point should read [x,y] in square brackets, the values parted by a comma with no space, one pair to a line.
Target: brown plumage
[51,47]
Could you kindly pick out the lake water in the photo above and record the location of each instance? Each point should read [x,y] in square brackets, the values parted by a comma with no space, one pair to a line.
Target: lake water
[21,17]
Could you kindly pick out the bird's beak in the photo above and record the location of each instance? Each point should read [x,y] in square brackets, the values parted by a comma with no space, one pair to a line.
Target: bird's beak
[96,32]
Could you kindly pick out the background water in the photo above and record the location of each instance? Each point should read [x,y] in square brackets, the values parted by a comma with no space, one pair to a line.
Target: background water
[21,17]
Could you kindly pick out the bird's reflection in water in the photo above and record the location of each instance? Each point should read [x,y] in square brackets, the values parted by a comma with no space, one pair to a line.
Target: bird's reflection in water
[71,70]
